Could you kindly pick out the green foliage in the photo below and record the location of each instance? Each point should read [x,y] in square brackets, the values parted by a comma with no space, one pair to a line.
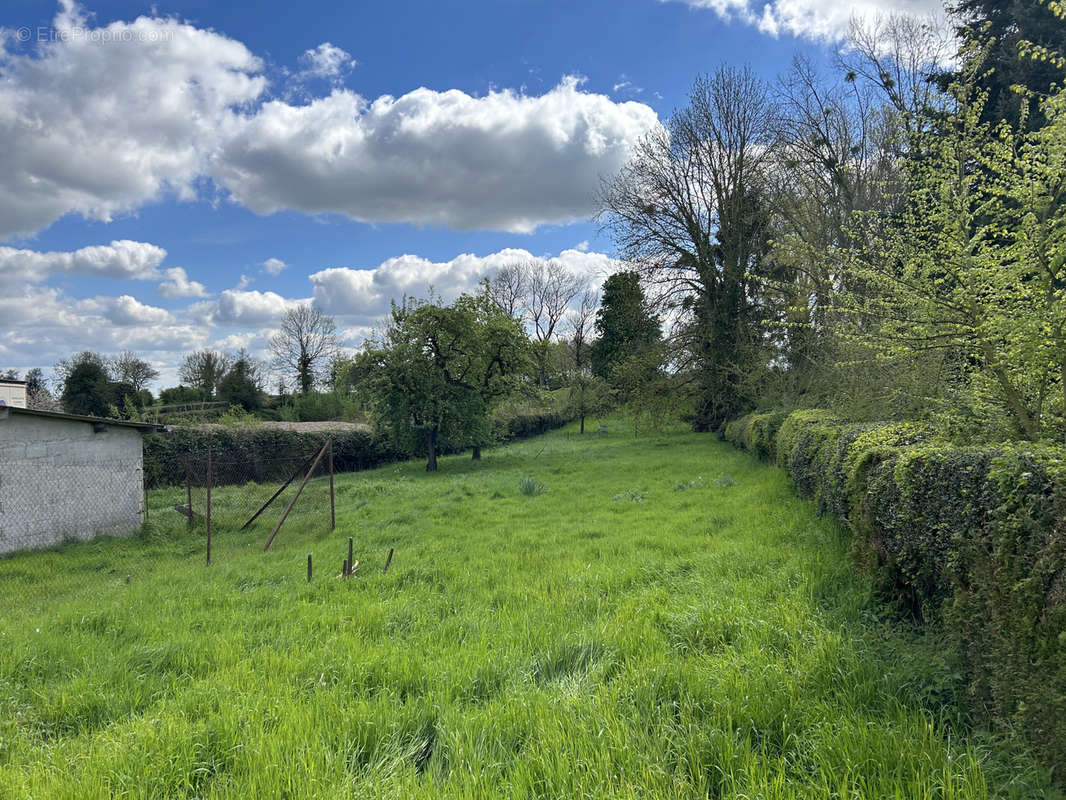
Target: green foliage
[530,486]
[240,386]
[85,390]
[183,394]
[319,407]
[972,538]
[624,324]
[431,381]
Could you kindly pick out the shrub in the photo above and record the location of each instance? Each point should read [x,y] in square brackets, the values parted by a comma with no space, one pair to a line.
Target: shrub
[973,538]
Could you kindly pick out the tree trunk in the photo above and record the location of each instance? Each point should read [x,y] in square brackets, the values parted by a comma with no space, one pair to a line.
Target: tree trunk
[431,446]
[476,455]
[582,424]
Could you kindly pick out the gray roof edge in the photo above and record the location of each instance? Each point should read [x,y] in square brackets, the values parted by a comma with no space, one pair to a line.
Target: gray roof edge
[143,427]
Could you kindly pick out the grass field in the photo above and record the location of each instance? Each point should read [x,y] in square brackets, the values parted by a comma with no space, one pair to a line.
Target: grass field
[651,617]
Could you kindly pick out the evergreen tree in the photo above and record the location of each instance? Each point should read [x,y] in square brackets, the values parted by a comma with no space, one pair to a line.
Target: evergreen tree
[624,324]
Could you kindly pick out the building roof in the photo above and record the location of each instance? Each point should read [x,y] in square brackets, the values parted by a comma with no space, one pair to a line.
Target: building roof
[98,423]
[12,381]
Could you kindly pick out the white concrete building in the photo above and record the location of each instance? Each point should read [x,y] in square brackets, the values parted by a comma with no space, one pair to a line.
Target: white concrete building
[13,393]
[67,477]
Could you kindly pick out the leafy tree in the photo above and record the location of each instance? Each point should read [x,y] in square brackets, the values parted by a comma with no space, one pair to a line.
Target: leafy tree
[432,376]
[624,323]
[86,388]
[183,394]
[203,370]
[241,385]
[305,345]
[1009,30]
[37,394]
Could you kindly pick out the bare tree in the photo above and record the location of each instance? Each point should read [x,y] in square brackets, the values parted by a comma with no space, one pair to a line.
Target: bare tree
[305,345]
[204,369]
[508,287]
[580,321]
[900,54]
[550,288]
[135,371]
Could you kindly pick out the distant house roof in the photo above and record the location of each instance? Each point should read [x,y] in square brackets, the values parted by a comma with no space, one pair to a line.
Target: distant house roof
[98,423]
[9,380]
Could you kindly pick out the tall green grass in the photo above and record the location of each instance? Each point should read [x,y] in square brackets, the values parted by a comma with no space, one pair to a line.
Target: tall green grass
[661,618]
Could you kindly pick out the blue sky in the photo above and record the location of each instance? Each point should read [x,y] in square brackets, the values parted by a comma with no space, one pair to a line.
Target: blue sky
[177,174]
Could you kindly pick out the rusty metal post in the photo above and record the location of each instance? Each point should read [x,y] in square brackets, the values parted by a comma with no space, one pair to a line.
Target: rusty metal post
[388,560]
[296,497]
[308,567]
[209,482]
[350,562]
[332,510]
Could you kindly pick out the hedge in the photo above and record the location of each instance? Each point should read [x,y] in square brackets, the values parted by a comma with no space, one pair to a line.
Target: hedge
[266,453]
[973,538]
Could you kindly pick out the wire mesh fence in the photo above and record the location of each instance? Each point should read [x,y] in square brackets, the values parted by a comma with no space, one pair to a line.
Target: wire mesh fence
[255,496]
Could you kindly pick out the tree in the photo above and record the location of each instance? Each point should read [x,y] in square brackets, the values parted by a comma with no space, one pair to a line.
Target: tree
[86,387]
[242,383]
[538,293]
[128,368]
[305,345]
[588,393]
[65,366]
[203,370]
[1009,29]
[37,395]
[436,369]
[624,324]
[689,212]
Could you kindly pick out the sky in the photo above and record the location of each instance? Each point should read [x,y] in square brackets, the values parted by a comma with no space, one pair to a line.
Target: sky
[174,175]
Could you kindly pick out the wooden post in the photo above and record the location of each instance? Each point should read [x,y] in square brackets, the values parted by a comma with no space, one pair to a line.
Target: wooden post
[308,567]
[332,511]
[296,497]
[350,562]
[209,481]
[388,560]
[188,490]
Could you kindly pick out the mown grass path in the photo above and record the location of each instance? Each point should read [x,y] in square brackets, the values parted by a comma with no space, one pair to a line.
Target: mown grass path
[664,620]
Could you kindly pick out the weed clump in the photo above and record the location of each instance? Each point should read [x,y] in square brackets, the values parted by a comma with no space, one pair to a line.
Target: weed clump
[724,481]
[530,486]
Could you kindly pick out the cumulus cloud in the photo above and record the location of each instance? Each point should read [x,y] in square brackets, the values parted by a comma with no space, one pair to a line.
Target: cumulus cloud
[273,266]
[362,296]
[99,129]
[819,20]
[177,284]
[326,61]
[120,259]
[504,161]
[239,308]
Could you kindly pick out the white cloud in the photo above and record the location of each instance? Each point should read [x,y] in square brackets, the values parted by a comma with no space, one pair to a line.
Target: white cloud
[128,310]
[100,128]
[120,259]
[362,296]
[819,20]
[503,161]
[177,284]
[238,308]
[273,266]
[326,61]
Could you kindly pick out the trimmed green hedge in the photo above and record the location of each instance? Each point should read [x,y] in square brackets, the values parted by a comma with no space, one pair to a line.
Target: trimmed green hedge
[266,453]
[971,537]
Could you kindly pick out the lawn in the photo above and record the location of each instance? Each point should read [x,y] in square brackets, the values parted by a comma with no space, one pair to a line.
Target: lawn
[571,617]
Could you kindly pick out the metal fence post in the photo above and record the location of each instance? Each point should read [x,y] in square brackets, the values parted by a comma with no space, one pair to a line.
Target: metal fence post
[332,509]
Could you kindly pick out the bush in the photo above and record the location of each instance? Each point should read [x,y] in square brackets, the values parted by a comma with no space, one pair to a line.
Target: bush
[972,538]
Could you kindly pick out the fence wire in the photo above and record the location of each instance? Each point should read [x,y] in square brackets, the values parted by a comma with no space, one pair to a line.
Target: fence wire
[253,495]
